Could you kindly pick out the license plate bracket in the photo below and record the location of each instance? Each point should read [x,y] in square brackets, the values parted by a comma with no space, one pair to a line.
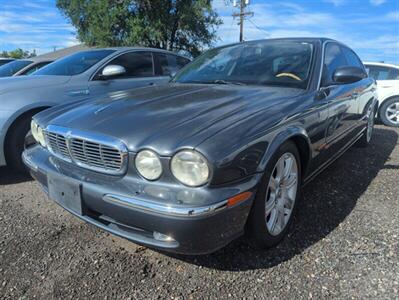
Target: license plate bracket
[66,192]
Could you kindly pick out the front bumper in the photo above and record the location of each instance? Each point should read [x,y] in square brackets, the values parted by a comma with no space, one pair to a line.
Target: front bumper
[117,205]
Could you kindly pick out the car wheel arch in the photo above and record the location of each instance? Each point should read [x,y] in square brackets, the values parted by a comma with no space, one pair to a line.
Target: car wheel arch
[18,118]
[301,140]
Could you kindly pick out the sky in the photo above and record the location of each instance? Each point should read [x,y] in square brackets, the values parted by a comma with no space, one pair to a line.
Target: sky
[370,27]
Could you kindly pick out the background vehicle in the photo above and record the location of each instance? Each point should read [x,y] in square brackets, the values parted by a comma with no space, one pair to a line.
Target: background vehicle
[225,147]
[30,65]
[13,67]
[74,78]
[387,77]
[4,61]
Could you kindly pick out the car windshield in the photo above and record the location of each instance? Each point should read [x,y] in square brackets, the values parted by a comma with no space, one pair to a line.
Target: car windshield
[13,67]
[279,63]
[74,64]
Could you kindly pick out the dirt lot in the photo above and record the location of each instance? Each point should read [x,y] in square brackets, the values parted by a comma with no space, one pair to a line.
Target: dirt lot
[344,243]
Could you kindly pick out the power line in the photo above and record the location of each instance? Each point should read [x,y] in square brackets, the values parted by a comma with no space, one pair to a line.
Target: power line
[257,27]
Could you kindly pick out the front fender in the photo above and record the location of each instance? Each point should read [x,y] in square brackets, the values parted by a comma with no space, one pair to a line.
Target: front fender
[8,117]
[295,133]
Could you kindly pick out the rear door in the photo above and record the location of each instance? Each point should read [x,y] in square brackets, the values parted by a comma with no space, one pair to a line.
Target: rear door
[167,64]
[140,72]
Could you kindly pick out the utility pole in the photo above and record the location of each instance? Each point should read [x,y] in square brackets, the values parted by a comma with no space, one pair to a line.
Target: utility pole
[242,14]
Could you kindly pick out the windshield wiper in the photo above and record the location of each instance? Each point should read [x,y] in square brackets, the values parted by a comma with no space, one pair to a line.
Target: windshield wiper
[221,81]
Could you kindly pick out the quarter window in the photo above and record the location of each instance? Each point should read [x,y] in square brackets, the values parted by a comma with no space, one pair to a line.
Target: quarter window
[137,64]
[333,59]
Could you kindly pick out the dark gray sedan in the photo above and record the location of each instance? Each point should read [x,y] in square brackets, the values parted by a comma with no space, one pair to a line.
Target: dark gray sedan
[221,151]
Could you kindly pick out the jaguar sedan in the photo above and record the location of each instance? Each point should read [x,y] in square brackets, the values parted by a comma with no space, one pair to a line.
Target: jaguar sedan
[221,151]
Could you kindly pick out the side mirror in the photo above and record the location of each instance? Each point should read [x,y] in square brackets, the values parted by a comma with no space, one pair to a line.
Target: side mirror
[349,75]
[112,71]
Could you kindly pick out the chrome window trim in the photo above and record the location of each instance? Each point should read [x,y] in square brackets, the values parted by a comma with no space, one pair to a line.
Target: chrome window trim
[70,134]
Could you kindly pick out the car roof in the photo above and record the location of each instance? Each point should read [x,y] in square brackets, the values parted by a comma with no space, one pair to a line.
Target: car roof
[319,40]
[124,49]
[380,64]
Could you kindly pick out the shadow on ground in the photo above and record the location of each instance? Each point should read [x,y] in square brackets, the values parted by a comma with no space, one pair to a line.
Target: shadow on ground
[9,176]
[326,202]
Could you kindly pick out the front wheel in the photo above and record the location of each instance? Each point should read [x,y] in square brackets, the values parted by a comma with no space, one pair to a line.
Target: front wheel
[16,141]
[365,139]
[389,112]
[277,197]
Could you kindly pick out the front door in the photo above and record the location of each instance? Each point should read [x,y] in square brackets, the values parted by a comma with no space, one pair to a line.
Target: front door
[140,72]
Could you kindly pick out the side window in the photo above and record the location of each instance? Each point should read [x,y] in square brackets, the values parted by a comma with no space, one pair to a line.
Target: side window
[35,68]
[333,59]
[379,73]
[168,64]
[352,59]
[137,64]
[164,65]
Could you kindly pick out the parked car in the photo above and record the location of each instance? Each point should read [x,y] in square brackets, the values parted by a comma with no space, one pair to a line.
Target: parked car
[75,78]
[4,61]
[224,148]
[30,65]
[9,69]
[387,77]
[40,61]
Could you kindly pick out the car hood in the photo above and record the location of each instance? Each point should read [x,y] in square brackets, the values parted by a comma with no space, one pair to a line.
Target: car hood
[10,84]
[170,117]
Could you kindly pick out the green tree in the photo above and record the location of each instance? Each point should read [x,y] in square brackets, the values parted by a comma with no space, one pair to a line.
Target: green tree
[18,53]
[186,25]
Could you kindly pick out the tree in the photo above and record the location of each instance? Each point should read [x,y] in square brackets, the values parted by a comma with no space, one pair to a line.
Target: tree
[176,25]
[18,53]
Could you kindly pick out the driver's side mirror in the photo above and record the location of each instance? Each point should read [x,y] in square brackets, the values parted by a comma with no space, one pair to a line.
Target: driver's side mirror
[348,75]
[112,71]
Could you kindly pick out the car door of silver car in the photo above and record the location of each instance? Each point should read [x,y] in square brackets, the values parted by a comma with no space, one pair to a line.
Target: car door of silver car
[139,71]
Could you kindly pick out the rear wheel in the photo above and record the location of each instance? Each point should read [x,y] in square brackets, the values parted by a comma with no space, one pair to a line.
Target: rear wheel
[276,200]
[389,112]
[17,139]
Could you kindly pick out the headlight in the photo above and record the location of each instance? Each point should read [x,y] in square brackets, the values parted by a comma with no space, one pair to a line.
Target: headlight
[38,133]
[190,168]
[148,164]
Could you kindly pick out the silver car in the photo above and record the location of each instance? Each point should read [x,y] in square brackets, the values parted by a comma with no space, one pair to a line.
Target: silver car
[77,77]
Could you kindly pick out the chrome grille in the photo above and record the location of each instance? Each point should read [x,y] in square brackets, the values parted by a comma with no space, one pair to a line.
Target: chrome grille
[58,144]
[98,153]
[95,155]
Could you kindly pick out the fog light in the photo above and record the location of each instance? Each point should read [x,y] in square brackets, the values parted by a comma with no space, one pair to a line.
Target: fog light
[162,237]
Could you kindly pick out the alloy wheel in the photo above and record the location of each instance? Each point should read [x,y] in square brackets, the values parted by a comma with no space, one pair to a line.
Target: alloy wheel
[281,193]
[370,124]
[392,113]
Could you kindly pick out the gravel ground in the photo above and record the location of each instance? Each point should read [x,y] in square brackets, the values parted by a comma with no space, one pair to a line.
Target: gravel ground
[344,243]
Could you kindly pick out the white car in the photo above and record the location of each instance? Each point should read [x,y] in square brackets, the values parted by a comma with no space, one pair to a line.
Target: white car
[387,77]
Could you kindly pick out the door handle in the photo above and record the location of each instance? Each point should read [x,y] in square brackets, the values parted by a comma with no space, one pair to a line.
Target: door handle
[151,83]
[355,95]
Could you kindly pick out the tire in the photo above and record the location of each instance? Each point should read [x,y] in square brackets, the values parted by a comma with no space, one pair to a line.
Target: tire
[367,135]
[261,231]
[388,109]
[15,144]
